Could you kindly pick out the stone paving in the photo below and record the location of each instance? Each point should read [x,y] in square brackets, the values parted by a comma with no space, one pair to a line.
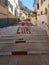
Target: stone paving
[37,41]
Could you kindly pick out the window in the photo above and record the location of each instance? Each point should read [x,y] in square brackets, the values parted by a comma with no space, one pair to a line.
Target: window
[16,6]
[42,1]
[45,10]
[15,12]
[42,22]
[10,5]
[38,6]
[41,12]
[48,5]
[0,1]
[4,2]
[14,1]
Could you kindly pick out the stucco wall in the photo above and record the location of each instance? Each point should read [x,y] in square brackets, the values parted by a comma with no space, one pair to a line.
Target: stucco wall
[42,7]
[15,5]
[4,13]
[33,21]
[41,21]
[6,18]
[48,22]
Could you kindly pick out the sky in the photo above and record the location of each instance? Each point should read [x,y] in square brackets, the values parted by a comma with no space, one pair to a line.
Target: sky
[28,3]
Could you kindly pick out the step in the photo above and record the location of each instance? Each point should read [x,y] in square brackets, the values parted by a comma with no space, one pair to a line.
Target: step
[25,60]
[26,38]
[27,41]
[31,39]
[23,35]
[24,53]
[32,31]
[25,47]
[20,41]
[7,41]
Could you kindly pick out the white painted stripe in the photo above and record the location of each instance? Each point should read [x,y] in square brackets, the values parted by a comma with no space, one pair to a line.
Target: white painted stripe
[34,34]
[7,42]
[23,52]
[5,53]
[37,52]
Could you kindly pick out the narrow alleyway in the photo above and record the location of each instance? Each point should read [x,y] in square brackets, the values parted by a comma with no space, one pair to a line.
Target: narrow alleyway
[24,45]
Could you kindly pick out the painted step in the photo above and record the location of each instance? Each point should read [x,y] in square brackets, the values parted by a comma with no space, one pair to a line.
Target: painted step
[23,35]
[7,41]
[24,60]
[25,47]
[28,40]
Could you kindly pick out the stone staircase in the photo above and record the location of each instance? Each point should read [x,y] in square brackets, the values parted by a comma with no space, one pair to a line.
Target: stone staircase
[37,41]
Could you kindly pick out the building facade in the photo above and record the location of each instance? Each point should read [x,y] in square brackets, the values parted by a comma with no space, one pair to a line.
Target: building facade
[47,22]
[4,2]
[23,15]
[41,7]
[12,5]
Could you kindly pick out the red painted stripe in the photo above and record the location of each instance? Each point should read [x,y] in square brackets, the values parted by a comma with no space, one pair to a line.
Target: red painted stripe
[18,30]
[19,41]
[19,53]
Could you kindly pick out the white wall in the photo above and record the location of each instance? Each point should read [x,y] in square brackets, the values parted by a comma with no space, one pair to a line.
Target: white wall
[33,21]
[23,15]
[18,9]
[40,19]
[14,2]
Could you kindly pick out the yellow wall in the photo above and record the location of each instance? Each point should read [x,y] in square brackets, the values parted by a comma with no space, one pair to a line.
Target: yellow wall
[48,22]
[42,7]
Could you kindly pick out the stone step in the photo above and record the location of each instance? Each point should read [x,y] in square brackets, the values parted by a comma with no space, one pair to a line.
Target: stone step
[30,31]
[24,53]
[25,47]
[25,60]
[27,40]
[23,35]
[40,32]
[35,33]
[7,41]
